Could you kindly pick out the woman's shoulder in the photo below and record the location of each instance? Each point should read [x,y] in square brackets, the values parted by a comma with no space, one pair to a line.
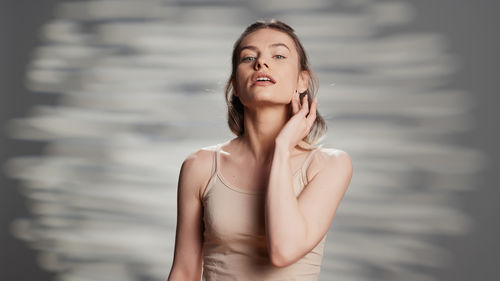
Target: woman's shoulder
[202,157]
[197,166]
[331,152]
[328,158]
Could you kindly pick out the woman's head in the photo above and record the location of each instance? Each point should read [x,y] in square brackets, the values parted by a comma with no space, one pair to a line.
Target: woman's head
[272,49]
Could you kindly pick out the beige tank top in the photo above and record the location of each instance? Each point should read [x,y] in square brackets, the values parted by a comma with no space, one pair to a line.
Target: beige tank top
[234,246]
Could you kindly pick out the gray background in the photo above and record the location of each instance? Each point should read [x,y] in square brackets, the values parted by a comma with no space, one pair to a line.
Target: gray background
[470,26]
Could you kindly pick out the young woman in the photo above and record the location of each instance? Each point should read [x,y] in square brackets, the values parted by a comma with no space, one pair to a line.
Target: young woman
[259,206]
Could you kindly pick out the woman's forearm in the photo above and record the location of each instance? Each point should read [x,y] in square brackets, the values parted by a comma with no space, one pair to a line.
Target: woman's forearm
[176,274]
[285,224]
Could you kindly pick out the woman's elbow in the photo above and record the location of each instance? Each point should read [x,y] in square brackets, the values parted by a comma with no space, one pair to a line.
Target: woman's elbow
[179,274]
[281,257]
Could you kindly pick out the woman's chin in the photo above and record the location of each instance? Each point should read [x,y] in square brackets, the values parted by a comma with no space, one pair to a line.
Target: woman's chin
[261,98]
[260,103]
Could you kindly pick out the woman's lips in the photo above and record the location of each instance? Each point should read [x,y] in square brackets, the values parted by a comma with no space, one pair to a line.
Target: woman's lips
[262,74]
[263,83]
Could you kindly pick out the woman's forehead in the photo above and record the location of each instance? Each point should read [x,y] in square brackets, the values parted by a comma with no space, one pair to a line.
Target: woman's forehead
[268,37]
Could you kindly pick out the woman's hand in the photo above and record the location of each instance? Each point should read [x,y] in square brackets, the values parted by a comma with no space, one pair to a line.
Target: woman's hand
[300,124]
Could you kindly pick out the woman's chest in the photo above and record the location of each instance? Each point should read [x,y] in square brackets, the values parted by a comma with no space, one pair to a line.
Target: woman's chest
[230,212]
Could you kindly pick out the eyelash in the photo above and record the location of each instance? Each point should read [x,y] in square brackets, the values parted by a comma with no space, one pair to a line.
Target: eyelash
[245,58]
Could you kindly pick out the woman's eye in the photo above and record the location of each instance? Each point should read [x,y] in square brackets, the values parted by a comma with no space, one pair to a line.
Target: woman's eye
[247,58]
[279,56]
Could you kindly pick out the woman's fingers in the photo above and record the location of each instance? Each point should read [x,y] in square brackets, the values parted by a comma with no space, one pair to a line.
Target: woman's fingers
[309,114]
[305,105]
[312,113]
[295,103]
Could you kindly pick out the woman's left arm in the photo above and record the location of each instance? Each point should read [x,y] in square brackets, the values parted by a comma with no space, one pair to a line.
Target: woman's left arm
[295,225]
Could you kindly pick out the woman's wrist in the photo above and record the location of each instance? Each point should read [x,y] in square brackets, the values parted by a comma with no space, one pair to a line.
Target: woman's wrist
[282,148]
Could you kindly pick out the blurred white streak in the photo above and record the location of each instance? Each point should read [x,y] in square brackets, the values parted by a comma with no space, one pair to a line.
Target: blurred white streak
[387,13]
[141,86]
[290,5]
[109,9]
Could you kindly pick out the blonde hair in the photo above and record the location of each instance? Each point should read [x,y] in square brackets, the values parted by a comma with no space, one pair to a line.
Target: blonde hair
[235,107]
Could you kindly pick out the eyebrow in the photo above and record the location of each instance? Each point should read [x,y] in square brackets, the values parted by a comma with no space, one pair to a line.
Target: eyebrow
[272,45]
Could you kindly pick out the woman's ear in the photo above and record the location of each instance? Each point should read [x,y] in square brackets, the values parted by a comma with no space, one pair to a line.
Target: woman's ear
[303,82]
[233,83]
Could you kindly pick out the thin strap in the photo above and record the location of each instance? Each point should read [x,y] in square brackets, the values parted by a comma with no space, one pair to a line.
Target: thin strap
[306,164]
[309,158]
[215,162]
[213,172]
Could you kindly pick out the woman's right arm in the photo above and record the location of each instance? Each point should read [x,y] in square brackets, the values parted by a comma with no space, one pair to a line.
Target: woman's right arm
[188,256]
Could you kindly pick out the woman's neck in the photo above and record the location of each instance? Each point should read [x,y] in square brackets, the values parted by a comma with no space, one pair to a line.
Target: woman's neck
[261,127]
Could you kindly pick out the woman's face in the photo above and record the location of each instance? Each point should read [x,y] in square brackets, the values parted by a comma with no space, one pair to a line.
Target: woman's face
[272,53]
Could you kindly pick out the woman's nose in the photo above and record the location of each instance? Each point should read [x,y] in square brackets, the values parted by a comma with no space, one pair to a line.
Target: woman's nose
[259,62]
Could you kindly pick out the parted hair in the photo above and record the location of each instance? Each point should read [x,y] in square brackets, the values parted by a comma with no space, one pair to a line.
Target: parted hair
[235,107]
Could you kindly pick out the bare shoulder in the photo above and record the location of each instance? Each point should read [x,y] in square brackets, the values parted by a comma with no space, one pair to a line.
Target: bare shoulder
[196,169]
[200,157]
[330,160]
